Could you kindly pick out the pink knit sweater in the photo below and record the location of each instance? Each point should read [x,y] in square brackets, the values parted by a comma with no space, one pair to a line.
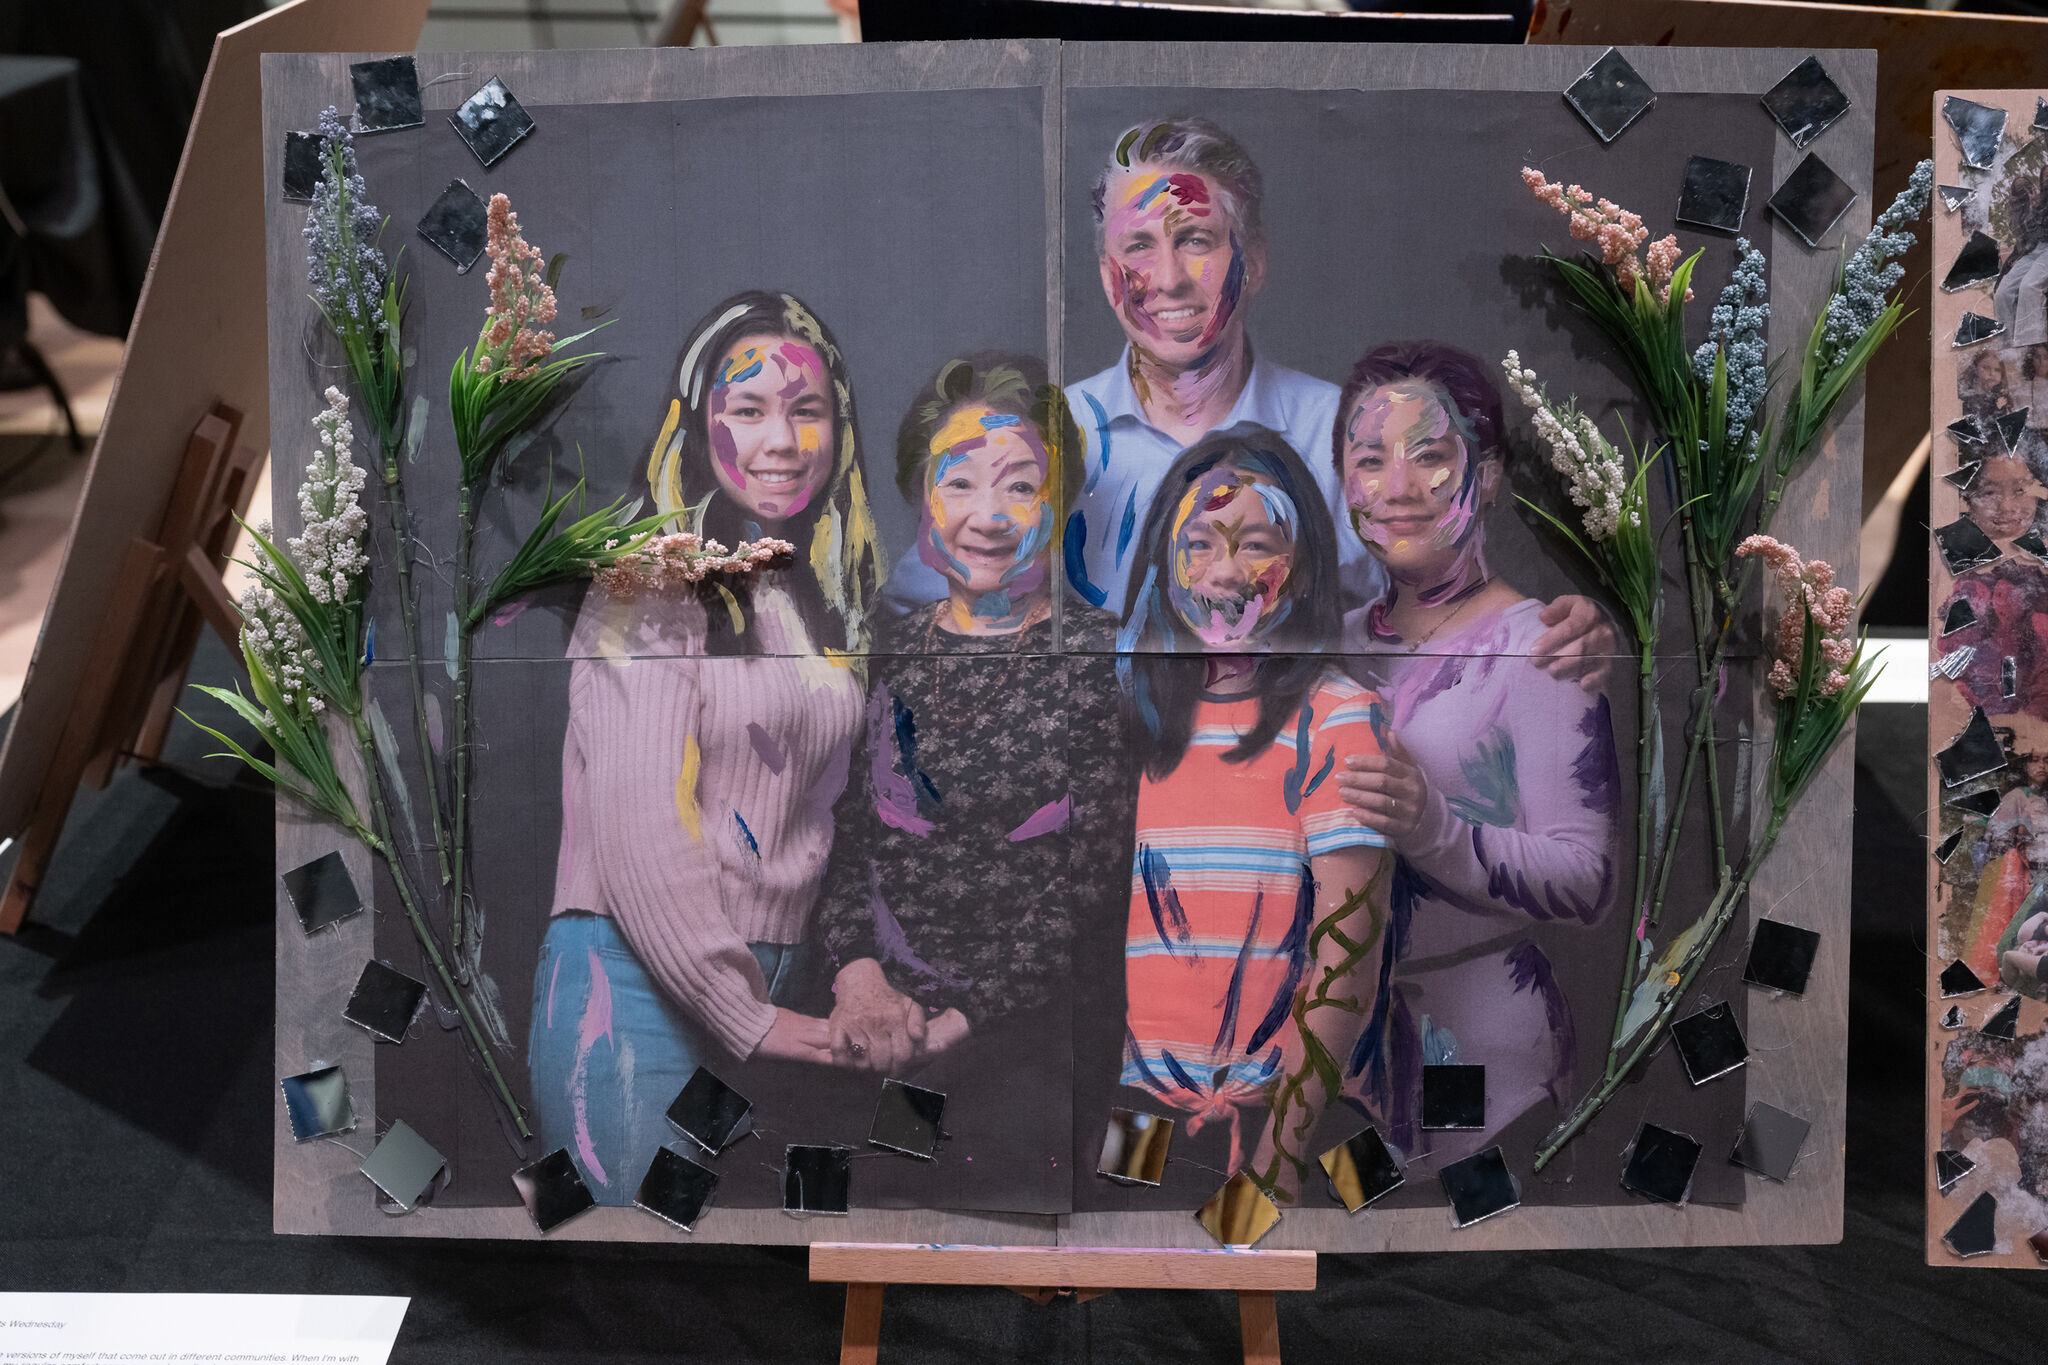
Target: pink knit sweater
[697,793]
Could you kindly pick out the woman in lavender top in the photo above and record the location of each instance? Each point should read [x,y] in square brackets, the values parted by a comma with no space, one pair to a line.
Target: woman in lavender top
[1499,782]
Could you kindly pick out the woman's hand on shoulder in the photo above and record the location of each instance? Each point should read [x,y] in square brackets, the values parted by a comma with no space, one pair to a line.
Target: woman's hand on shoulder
[1388,789]
[796,1037]
[1580,644]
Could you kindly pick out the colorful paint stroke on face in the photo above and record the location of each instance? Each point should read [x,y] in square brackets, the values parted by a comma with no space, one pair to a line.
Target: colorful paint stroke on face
[770,424]
[1413,488]
[1233,548]
[1173,261]
[985,524]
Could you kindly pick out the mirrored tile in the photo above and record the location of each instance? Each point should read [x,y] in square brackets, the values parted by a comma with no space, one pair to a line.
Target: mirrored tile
[1713,194]
[1962,476]
[317,1104]
[1770,1142]
[1948,846]
[1976,802]
[1952,664]
[387,95]
[1239,1214]
[711,1113]
[457,224]
[303,154]
[2031,543]
[1973,753]
[491,122]
[1976,1232]
[1780,956]
[1974,264]
[676,1189]
[1660,1164]
[2012,429]
[2008,677]
[1954,1018]
[1979,129]
[1806,102]
[1957,979]
[1709,1043]
[2005,1023]
[1479,1187]
[1959,616]
[1953,197]
[1971,436]
[816,1179]
[403,1165]
[1361,1169]
[384,1002]
[1134,1147]
[1453,1097]
[907,1119]
[1975,327]
[553,1190]
[321,892]
[1964,547]
[1610,96]
[1812,199]
[1949,1167]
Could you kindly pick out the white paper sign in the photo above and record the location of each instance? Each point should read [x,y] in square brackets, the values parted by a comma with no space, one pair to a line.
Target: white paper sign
[250,1329]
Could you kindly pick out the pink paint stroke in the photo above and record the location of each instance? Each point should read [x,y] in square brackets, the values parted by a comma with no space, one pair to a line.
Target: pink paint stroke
[1051,816]
[596,1024]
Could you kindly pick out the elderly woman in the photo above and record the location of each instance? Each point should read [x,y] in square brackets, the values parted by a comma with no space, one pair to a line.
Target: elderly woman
[1498,784]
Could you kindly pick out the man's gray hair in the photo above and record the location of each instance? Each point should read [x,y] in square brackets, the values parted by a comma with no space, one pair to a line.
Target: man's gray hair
[1189,144]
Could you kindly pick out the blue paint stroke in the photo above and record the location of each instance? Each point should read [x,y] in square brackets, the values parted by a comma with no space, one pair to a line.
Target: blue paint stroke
[1407,891]
[1178,1072]
[1077,562]
[747,373]
[1226,1028]
[1531,971]
[753,844]
[1490,772]
[1511,885]
[1167,915]
[1304,750]
[370,641]
[1101,441]
[1595,770]
[1295,947]
[906,750]
[999,419]
[1130,524]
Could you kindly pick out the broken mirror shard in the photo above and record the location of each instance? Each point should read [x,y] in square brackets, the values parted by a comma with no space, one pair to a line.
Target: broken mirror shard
[2032,543]
[907,1119]
[1239,1214]
[1949,1167]
[1453,1097]
[1957,979]
[1974,264]
[1660,1164]
[711,1113]
[457,224]
[1713,194]
[303,153]
[1978,128]
[1709,1043]
[384,1002]
[1806,102]
[2039,1242]
[317,1103]
[1781,956]
[553,1190]
[2012,428]
[1975,327]
[1974,753]
[676,1189]
[2040,124]
[387,95]
[490,122]
[1976,1232]
[1812,199]
[1134,1147]
[1610,96]
[403,1165]
[1982,803]
[2005,1024]
[1953,197]
[1954,1018]
[321,892]
[1952,664]
[1960,614]
[1962,476]
[816,1179]
[1948,846]
[1769,1143]
[2008,677]
[1479,1187]
[1971,436]
[1361,1169]
[1964,546]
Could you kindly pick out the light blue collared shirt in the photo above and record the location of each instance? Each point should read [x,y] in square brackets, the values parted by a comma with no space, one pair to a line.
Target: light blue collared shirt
[1126,456]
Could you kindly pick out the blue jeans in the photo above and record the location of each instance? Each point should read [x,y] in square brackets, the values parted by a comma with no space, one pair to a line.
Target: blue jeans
[609,1050]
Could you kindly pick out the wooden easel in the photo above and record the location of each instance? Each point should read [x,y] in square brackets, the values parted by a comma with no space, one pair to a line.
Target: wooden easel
[1040,1273]
[169,585]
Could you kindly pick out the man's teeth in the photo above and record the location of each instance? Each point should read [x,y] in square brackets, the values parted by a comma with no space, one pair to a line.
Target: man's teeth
[1175,314]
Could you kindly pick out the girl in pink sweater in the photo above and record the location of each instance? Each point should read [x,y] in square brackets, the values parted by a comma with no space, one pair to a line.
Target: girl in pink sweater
[707,740]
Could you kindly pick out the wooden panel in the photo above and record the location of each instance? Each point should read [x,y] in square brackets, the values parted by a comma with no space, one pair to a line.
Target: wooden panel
[1066,1267]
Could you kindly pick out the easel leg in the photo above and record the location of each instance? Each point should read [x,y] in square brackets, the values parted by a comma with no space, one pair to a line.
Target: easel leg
[860,1340]
[1259,1324]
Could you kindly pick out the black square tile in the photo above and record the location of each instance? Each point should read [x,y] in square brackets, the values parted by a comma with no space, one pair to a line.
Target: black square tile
[1812,199]
[384,1002]
[816,1179]
[1806,102]
[1453,1097]
[1361,1169]
[316,1103]
[553,1190]
[1610,96]
[1975,327]
[1714,194]
[1976,1232]
[1709,1043]
[1770,1142]
[304,158]
[321,892]
[1974,264]
[490,122]
[1660,1165]
[710,1113]
[1979,129]
[1949,1167]
[457,224]
[1973,753]
[907,1119]
[1964,546]
[676,1189]
[1781,956]
[403,1165]
[387,95]
[1479,1187]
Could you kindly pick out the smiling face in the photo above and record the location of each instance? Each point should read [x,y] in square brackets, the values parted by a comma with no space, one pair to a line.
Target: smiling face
[1174,263]
[986,524]
[1411,481]
[2004,498]
[1233,549]
[770,424]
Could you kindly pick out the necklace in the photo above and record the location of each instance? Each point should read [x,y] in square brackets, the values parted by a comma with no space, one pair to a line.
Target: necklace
[1462,602]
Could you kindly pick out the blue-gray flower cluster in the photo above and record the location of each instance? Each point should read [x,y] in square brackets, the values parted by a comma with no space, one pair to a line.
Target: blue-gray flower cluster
[347,271]
[1873,271]
[1737,326]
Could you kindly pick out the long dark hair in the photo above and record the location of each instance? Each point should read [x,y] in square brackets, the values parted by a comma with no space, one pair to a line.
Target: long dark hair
[1158,658]
[838,558]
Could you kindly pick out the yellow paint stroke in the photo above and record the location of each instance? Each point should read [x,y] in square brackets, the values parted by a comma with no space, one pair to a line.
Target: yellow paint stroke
[686,790]
[1438,481]
[937,503]
[663,477]
[963,425]
[732,607]
[807,439]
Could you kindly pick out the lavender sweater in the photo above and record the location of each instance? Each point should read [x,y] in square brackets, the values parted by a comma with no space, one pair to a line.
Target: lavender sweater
[697,793]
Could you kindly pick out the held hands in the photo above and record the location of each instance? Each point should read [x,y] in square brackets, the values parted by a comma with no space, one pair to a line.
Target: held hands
[796,1037]
[1580,644]
[1388,789]
[878,1028]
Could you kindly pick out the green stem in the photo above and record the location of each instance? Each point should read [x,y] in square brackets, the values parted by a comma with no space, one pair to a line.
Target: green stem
[394,502]
[1646,692]
[1700,593]
[459,734]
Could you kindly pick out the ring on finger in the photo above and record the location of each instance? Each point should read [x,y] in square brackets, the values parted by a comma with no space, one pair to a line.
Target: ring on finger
[857,1049]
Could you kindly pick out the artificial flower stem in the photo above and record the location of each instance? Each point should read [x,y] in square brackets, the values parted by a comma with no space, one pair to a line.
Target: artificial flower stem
[394,504]
[1701,596]
[1646,697]
[465,537]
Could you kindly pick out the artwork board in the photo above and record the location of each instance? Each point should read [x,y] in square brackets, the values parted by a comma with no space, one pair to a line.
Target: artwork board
[1000,101]
[1984,1093]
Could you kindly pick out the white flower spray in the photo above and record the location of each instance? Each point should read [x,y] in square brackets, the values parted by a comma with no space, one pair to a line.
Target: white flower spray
[1594,477]
[329,550]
